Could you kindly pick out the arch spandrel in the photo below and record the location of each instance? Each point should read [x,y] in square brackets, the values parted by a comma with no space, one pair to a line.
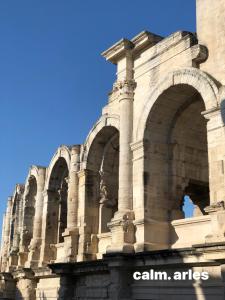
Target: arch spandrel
[62,152]
[193,77]
[104,121]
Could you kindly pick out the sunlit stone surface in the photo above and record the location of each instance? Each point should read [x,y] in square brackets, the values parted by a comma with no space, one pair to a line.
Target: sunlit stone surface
[80,227]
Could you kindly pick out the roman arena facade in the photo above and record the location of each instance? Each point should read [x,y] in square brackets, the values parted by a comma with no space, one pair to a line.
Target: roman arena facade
[81,226]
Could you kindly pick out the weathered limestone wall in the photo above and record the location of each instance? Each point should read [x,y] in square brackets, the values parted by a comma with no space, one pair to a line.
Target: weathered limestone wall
[211,32]
[160,137]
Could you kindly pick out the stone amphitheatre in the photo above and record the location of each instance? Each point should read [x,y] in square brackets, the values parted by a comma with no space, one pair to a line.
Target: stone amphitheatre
[80,227]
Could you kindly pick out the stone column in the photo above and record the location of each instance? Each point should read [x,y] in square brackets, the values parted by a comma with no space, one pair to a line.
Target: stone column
[6,236]
[72,203]
[48,241]
[71,233]
[87,215]
[139,185]
[35,243]
[121,226]
[216,154]
[126,99]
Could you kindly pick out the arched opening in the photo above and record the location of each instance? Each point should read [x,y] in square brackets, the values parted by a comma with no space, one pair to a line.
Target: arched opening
[176,154]
[188,207]
[13,233]
[30,194]
[29,209]
[57,202]
[103,170]
[15,226]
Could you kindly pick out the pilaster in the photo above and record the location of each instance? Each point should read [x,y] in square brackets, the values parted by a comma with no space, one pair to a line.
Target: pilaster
[71,233]
[87,246]
[47,250]
[216,154]
[35,244]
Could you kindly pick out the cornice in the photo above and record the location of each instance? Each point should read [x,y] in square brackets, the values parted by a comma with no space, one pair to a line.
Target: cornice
[118,50]
[145,39]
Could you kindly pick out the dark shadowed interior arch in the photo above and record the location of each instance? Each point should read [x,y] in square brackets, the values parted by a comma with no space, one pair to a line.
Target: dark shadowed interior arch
[57,202]
[176,154]
[28,217]
[103,173]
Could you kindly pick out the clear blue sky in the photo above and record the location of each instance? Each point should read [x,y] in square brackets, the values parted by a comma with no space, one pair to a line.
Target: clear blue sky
[53,81]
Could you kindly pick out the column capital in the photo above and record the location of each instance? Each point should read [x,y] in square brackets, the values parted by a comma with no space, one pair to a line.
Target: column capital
[125,87]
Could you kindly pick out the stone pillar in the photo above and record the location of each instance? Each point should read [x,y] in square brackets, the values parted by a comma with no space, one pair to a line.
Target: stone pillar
[71,233]
[139,194]
[72,204]
[48,250]
[216,154]
[6,236]
[35,244]
[121,226]
[217,213]
[126,99]
[87,216]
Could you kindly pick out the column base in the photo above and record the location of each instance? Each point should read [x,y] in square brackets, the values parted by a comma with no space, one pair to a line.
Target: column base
[71,236]
[123,233]
[217,214]
[146,239]
[87,246]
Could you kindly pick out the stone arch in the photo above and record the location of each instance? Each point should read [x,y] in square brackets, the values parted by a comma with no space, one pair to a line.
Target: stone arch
[32,216]
[62,152]
[175,148]
[29,206]
[34,171]
[104,121]
[101,163]
[56,192]
[196,78]
[16,224]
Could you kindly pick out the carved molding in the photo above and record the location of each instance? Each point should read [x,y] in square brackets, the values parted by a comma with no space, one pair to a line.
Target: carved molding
[125,87]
